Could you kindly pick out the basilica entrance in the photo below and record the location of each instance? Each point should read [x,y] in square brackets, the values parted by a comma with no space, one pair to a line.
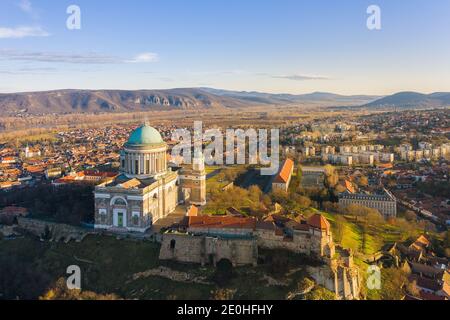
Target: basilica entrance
[120,218]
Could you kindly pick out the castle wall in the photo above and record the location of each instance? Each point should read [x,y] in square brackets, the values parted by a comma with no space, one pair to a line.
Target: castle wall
[318,243]
[268,239]
[343,281]
[57,231]
[208,250]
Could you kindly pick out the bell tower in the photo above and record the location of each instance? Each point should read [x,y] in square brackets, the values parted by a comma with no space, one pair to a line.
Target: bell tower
[193,180]
[199,162]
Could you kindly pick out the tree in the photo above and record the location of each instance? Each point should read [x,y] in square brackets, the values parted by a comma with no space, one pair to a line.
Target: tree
[331,206]
[410,215]
[320,293]
[407,229]
[374,218]
[60,292]
[223,294]
[412,289]
[339,228]
[392,282]
[363,181]
[21,279]
[302,201]
[279,196]
[356,210]
[447,239]
[305,285]
[255,193]
[331,175]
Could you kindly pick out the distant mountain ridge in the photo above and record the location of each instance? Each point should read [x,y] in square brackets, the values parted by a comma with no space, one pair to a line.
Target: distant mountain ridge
[292,98]
[409,99]
[71,101]
[89,101]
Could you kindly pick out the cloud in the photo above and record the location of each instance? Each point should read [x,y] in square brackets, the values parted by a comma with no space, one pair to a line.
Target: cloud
[299,77]
[29,70]
[22,32]
[72,58]
[144,58]
[36,56]
[26,6]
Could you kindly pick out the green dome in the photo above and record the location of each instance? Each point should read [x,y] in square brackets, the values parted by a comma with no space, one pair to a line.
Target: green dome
[145,135]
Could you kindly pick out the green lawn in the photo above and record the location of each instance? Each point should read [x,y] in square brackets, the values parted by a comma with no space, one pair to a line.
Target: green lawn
[370,242]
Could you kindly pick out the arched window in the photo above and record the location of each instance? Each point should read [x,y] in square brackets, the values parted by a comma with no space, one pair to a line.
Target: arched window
[120,202]
[172,244]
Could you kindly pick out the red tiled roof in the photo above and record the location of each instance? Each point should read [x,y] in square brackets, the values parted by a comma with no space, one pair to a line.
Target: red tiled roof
[385,165]
[350,186]
[133,183]
[285,172]
[221,222]
[301,227]
[422,241]
[35,169]
[94,173]
[319,222]
[277,218]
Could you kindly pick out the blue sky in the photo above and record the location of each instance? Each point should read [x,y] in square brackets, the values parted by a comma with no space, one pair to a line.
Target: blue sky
[293,46]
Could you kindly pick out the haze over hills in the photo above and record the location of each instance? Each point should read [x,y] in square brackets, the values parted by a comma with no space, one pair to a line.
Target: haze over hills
[74,101]
[273,98]
[91,101]
[70,101]
[412,100]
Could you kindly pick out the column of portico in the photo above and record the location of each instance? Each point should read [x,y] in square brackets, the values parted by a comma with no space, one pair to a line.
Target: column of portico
[131,163]
[165,159]
[152,162]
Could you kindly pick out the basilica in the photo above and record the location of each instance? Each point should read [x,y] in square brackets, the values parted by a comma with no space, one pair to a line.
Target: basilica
[146,189]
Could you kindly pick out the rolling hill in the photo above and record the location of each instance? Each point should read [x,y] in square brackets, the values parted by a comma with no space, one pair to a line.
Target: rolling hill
[412,100]
[90,101]
[321,97]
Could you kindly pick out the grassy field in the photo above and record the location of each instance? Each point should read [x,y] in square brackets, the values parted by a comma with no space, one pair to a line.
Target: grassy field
[213,181]
[216,180]
[368,242]
[108,266]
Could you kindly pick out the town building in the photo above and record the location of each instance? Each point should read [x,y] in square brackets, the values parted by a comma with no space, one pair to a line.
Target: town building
[339,159]
[313,177]
[308,151]
[426,152]
[32,152]
[384,202]
[284,176]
